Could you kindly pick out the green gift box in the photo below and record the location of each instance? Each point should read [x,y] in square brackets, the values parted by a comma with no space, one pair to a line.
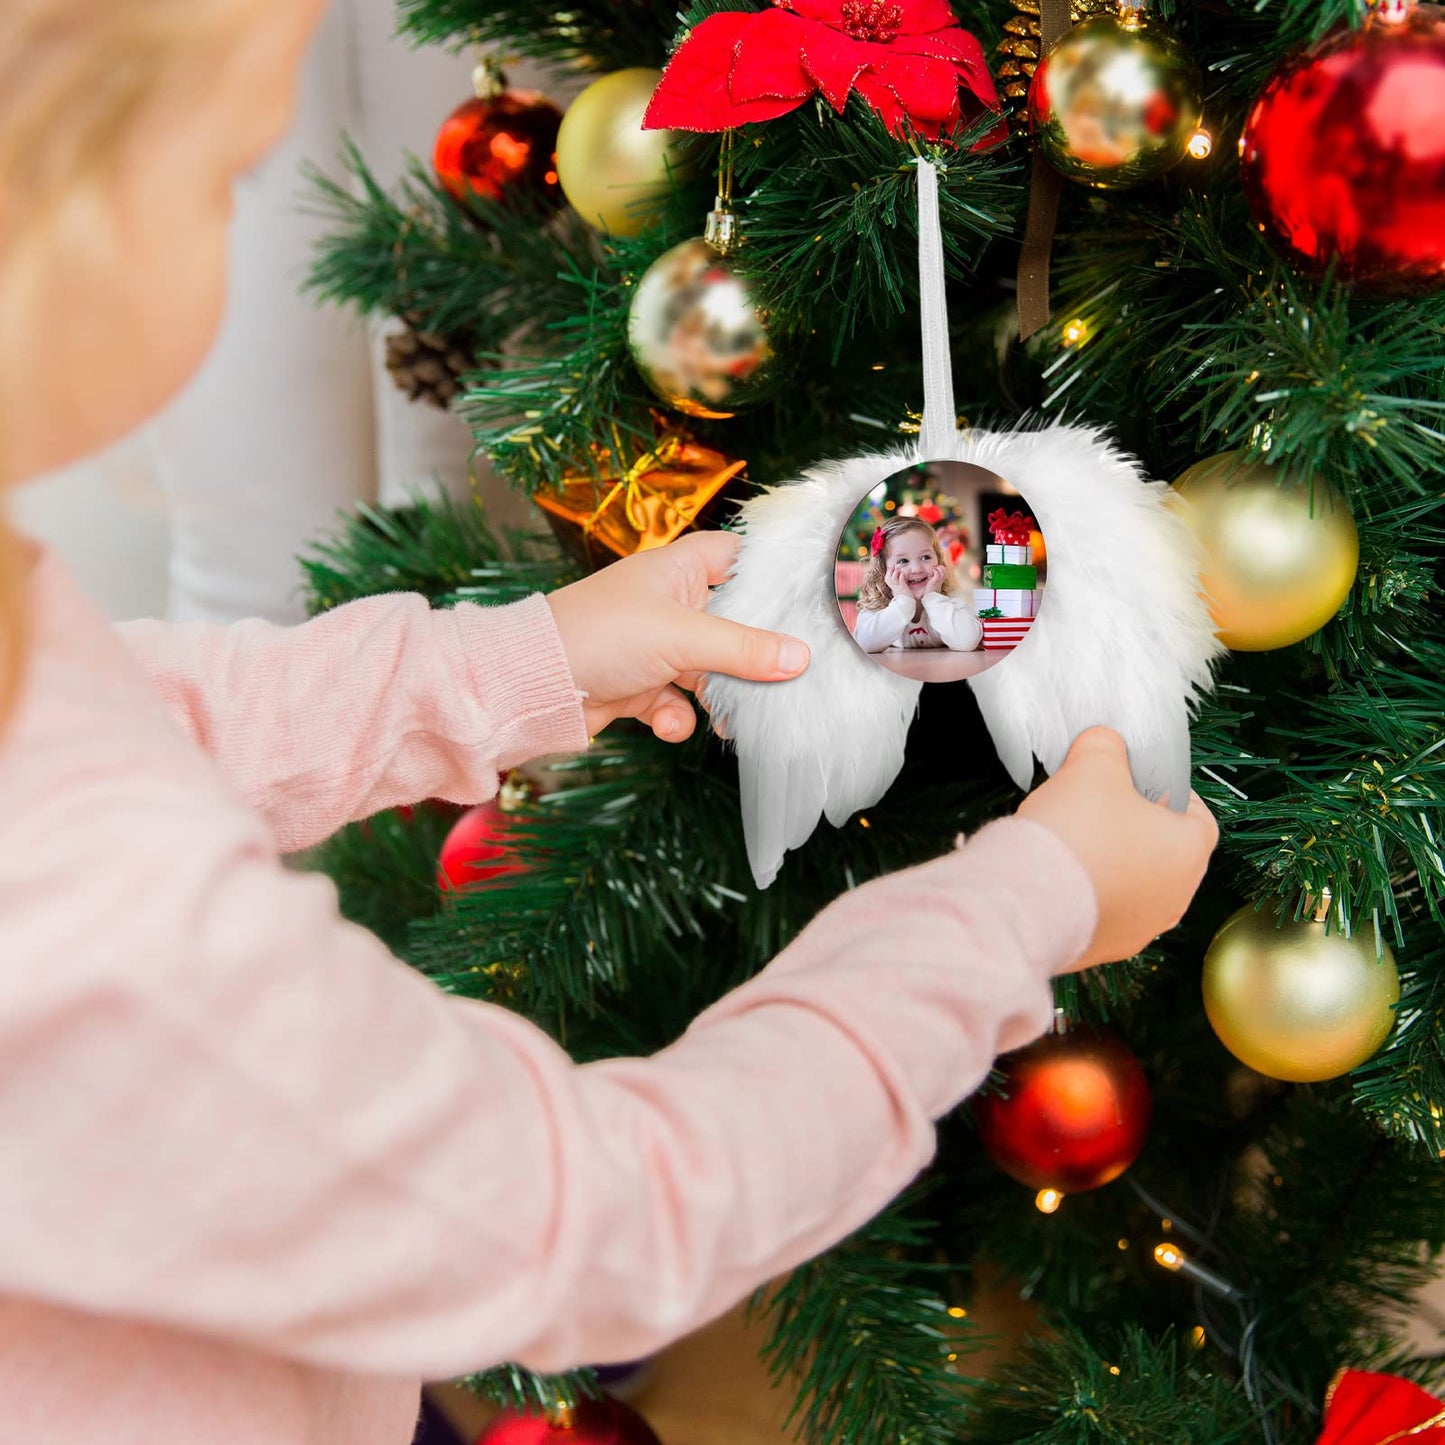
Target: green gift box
[1011,576]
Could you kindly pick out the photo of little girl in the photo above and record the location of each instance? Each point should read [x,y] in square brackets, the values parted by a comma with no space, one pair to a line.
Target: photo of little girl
[918,596]
[909,596]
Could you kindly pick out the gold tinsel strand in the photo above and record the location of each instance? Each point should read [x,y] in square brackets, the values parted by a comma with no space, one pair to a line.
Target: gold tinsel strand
[1019,48]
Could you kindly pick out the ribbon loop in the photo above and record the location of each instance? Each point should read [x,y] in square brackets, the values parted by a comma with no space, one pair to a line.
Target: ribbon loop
[939,427]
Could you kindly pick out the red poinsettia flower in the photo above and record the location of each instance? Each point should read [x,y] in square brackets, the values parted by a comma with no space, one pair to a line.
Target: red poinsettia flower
[906,58]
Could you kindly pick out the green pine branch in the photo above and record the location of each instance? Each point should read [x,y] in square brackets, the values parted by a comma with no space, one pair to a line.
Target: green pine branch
[1364,775]
[514,1387]
[437,546]
[866,1342]
[478,269]
[1403,1085]
[1124,1387]
[594,34]
[1334,1230]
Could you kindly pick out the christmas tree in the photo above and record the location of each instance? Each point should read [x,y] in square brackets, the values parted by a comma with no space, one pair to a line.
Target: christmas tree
[1241,201]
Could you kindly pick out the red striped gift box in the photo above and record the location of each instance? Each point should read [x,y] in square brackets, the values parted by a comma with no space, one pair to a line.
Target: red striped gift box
[1003,634]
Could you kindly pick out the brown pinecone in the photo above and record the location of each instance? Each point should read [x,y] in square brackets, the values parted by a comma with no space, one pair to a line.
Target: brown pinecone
[1019,48]
[426,366]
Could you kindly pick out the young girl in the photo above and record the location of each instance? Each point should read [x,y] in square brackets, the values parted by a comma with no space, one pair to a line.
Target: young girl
[257,1177]
[908,597]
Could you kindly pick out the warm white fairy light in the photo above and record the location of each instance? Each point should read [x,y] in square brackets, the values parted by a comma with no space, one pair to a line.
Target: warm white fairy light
[1171,1257]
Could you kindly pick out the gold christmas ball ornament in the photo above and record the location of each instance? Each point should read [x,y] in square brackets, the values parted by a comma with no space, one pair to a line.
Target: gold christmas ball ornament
[1115,102]
[1294,1002]
[697,335]
[1280,552]
[612,171]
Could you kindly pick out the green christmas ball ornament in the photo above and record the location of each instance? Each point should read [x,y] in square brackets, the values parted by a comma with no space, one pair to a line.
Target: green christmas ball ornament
[1115,102]
[697,334]
[1295,1002]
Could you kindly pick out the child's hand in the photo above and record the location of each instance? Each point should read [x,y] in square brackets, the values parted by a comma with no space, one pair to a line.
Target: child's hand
[894,578]
[1145,861]
[935,580]
[636,631]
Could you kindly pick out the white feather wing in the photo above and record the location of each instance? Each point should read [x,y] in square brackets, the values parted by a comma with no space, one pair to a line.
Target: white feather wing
[829,741]
[1123,637]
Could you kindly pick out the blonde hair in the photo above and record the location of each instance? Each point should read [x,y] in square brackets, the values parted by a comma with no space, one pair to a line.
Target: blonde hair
[74,78]
[874,593]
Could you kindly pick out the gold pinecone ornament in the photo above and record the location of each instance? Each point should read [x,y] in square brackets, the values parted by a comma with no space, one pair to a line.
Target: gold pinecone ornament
[427,366]
[1019,48]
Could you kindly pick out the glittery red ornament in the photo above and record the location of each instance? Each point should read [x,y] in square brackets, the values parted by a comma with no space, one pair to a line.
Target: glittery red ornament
[478,847]
[1362,1408]
[1072,1113]
[1343,153]
[591,1422]
[501,146]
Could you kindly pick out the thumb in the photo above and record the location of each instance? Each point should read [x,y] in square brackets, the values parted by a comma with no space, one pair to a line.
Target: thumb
[716,644]
[1100,748]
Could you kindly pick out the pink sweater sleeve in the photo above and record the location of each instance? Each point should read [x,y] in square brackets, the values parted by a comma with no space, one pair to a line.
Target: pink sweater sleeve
[380,702]
[259,1125]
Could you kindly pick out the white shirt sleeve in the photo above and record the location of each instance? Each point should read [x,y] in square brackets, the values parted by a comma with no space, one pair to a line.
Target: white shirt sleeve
[953,620]
[878,631]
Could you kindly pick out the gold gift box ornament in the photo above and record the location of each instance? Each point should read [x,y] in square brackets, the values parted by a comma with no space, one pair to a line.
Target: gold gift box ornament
[596,513]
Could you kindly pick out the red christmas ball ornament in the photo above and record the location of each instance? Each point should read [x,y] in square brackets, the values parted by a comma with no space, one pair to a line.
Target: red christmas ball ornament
[589,1422]
[1343,154]
[479,845]
[1072,1112]
[477,848]
[500,145]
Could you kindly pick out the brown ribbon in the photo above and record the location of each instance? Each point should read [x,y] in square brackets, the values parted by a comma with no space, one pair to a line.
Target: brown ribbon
[1044,187]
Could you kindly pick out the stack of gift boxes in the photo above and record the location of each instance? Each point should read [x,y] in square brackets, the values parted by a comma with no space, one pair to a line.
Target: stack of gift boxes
[1008,601]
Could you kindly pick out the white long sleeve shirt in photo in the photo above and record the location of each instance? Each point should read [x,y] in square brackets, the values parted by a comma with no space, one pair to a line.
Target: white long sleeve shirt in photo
[946,622]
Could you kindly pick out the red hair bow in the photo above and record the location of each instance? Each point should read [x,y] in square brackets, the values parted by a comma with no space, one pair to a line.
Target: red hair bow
[876,545]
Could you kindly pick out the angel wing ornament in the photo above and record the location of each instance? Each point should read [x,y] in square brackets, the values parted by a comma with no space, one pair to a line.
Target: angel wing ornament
[1124,639]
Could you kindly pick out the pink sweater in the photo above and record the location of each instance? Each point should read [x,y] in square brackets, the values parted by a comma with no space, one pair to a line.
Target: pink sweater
[258,1178]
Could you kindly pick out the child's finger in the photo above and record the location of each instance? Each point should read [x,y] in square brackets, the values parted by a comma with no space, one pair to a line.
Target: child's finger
[716,644]
[717,551]
[670,716]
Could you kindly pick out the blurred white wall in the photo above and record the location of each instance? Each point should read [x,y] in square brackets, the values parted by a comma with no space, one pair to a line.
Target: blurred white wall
[292,418]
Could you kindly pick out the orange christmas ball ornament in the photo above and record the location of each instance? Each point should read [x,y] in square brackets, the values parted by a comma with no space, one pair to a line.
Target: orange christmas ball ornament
[1071,1113]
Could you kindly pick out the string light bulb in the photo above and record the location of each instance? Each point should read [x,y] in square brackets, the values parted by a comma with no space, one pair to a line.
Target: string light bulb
[1200,145]
[1171,1257]
[1047,1201]
[1075,331]
[1168,1257]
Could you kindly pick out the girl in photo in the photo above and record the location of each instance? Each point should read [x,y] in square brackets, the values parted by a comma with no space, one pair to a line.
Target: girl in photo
[909,597]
